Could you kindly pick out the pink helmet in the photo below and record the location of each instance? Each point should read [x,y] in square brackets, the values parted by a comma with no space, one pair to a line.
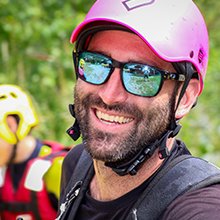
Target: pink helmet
[174,29]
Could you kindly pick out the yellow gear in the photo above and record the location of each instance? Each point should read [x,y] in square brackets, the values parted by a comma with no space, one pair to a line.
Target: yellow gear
[14,101]
[53,175]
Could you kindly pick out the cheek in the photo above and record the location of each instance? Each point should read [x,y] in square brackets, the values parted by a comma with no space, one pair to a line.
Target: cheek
[82,91]
[85,88]
[5,151]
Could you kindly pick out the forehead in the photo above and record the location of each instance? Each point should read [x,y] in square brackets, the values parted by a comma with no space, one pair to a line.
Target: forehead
[112,38]
[126,46]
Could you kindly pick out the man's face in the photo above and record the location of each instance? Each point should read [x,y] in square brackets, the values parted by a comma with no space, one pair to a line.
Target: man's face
[114,123]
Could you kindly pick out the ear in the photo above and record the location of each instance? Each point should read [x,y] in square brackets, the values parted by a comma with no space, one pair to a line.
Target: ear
[188,99]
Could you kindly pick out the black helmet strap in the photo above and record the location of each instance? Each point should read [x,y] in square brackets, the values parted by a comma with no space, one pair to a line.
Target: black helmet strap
[187,69]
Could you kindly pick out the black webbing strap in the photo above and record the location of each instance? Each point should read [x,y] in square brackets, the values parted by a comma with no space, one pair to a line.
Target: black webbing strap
[80,180]
[185,173]
[15,206]
[51,156]
[34,205]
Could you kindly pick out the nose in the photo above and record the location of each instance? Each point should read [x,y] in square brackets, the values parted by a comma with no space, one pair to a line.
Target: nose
[113,92]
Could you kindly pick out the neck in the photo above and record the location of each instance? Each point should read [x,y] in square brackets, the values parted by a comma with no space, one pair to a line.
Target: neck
[106,185]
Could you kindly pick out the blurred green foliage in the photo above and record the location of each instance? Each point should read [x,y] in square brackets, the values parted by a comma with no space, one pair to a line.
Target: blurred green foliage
[201,128]
[35,53]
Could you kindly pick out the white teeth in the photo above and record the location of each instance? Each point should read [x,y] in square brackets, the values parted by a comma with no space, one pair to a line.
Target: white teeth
[112,118]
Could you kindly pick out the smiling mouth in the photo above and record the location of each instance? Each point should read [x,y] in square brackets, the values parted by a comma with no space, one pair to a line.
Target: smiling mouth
[116,119]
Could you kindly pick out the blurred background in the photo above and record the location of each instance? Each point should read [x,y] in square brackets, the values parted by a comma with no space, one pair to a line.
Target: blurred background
[35,54]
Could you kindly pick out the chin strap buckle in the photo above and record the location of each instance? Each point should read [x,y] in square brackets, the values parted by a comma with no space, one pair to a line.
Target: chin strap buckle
[74,130]
[132,166]
[163,150]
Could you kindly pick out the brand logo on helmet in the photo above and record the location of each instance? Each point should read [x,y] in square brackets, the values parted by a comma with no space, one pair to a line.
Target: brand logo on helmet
[133,4]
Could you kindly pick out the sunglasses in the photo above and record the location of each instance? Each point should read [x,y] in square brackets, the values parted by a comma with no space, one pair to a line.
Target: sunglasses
[137,79]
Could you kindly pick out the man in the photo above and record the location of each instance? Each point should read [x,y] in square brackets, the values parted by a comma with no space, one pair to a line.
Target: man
[140,68]
[30,169]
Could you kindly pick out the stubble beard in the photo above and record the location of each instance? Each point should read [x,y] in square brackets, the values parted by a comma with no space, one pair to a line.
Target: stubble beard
[149,126]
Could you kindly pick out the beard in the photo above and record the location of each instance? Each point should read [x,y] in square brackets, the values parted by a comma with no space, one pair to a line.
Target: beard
[118,148]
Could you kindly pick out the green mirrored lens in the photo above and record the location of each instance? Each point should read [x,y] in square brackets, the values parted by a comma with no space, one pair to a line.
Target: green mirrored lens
[141,79]
[93,68]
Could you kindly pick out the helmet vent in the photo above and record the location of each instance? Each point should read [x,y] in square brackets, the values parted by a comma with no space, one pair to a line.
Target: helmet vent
[2,97]
[191,54]
[13,95]
[201,55]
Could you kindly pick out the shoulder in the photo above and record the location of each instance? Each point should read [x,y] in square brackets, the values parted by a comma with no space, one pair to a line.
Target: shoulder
[69,163]
[72,157]
[200,204]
